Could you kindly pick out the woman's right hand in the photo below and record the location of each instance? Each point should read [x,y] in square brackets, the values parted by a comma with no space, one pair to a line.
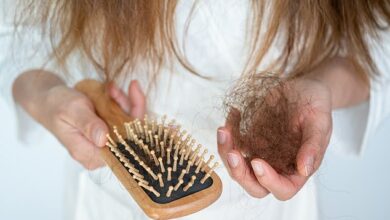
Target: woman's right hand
[71,117]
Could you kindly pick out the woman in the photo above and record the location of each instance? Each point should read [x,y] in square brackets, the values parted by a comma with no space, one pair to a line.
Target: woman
[326,46]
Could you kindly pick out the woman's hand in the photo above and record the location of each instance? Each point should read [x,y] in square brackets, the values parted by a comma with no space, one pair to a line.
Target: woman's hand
[313,117]
[70,115]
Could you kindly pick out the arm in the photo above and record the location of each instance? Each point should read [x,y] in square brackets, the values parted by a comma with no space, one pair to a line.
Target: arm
[333,85]
[345,86]
[31,88]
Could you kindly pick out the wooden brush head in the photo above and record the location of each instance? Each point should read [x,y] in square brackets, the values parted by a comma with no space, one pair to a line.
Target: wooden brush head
[159,164]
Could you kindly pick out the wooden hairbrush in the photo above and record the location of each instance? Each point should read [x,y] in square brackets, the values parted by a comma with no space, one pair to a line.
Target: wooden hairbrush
[155,162]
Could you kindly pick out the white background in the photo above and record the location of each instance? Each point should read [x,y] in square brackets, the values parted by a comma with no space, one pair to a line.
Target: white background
[32,180]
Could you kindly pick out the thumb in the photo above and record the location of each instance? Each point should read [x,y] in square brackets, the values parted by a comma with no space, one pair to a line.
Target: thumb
[313,147]
[137,100]
[90,125]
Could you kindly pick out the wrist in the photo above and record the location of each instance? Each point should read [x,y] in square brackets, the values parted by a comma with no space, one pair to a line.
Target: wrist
[345,86]
[315,91]
[46,101]
[31,89]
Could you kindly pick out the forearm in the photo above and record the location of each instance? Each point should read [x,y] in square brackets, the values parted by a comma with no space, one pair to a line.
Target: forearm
[30,87]
[346,87]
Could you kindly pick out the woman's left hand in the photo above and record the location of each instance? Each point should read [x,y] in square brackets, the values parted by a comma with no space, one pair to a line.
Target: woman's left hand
[314,119]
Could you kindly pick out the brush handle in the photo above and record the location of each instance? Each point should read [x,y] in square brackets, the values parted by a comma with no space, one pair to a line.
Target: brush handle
[105,107]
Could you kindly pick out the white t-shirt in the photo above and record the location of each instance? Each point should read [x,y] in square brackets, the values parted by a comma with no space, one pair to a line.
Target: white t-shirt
[216,47]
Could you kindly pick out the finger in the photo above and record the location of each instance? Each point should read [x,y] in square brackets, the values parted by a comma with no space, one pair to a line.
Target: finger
[241,172]
[119,96]
[224,147]
[315,138]
[137,100]
[283,188]
[236,165]
[88,123]
[81,149]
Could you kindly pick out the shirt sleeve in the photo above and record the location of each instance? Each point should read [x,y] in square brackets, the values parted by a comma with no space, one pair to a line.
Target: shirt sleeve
[380,86]
[354,127]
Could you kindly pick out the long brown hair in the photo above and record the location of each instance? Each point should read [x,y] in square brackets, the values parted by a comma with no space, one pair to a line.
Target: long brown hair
[118,35]
[311,32]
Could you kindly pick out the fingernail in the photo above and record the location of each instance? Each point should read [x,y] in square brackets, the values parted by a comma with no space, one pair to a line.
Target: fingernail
[98,137]
[221,136]
[257,168]
[232,160]
[309,165]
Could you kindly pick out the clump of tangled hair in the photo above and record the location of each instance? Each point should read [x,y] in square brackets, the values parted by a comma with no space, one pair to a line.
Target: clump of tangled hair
[261,110]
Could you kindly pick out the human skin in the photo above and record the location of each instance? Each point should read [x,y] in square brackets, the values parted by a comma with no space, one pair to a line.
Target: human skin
[331,86]
[70,116]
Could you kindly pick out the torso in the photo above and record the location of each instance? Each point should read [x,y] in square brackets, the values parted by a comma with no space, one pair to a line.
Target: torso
[216,46]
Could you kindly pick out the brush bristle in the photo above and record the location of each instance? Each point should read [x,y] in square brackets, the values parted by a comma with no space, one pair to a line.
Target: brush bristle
[162,159]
